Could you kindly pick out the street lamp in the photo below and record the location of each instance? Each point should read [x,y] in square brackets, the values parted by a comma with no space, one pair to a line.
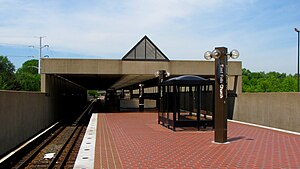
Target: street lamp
[297,62]
[221,60]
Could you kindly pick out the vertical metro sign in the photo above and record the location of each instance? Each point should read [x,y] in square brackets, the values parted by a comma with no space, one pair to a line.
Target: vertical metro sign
[221,96]
[221,60]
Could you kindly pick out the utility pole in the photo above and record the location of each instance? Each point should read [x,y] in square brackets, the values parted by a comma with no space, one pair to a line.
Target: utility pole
[40,52]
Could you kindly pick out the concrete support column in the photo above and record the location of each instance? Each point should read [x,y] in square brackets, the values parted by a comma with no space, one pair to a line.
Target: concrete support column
[122,93]
[43,83]
[141,97]
[131,92]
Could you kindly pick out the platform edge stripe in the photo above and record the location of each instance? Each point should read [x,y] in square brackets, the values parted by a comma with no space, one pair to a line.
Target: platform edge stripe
[266,127]
[85,159]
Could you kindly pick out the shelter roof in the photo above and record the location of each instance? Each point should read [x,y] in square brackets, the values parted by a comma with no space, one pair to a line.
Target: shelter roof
[187,80]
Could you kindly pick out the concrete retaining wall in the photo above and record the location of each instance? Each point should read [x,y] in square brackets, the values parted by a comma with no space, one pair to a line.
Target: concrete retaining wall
[66,98]
[134,103]
[279,110]
[22,115]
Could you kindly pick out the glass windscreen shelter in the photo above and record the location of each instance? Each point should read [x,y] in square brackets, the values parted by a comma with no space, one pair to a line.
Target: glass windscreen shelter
[187,101]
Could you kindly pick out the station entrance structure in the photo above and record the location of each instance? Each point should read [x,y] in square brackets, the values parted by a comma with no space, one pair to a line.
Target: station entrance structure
[139,66]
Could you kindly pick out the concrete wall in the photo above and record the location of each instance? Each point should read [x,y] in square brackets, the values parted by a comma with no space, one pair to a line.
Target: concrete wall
[279,110]
[134,103]
[134,72]
[109,66]
[24,114]
[65,97]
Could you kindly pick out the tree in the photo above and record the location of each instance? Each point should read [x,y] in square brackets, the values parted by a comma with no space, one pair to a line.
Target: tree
[28,76]
[268,82]
[7,76]
[93,93]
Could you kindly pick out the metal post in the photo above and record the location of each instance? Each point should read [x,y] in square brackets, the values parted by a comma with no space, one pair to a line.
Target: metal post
[298,65]
[298,60]
[161,78]
[40,52]
[221,96]
[199,107]
[174,107]
[141,97]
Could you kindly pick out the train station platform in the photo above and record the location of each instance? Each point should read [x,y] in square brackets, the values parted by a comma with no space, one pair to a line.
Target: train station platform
[135,140]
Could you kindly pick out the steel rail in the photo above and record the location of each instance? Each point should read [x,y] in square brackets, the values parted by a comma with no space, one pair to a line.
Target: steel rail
[48,141]
[78,120]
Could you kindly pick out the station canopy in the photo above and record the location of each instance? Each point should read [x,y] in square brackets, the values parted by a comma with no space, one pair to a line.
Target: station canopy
[139,65]
[92,76]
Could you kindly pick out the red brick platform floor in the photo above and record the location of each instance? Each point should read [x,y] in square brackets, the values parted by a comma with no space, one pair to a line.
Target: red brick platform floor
[135,140]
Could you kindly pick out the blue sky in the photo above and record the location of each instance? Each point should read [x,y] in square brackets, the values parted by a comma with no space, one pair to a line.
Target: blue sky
[263,31]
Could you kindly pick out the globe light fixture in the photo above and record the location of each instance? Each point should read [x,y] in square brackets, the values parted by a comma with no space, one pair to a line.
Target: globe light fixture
[234,54]
[157,73]
[208,55]
[167,74]
[216,54]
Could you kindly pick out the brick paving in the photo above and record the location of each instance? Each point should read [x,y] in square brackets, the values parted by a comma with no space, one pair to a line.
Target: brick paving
[106,153]
[135,140]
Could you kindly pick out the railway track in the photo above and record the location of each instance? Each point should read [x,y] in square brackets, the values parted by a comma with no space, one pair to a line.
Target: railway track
[59,150]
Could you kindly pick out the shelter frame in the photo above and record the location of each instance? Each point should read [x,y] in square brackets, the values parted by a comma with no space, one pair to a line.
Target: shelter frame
[185,102]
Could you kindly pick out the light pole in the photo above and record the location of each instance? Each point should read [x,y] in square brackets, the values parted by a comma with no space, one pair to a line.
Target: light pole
[297,61]
[221,61]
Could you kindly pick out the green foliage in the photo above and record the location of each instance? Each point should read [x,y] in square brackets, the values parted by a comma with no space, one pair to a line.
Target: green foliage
[7,76]
[268,82]
[93,93]
[28,76]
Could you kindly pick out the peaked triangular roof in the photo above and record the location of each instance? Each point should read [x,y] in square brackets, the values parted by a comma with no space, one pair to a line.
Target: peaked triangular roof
[145,49]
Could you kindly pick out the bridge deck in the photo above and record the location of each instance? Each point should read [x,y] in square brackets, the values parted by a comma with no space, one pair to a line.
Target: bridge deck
[135,140]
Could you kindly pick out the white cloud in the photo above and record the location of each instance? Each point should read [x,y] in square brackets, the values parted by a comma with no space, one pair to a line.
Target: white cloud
[183,29]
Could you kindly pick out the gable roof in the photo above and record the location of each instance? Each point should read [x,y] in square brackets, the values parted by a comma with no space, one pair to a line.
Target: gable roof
[145,49]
